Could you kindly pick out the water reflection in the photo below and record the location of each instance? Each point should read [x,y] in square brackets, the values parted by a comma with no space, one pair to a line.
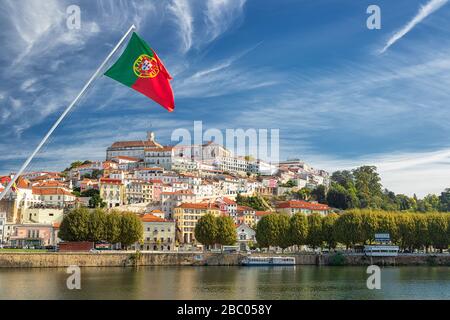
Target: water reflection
[300,282]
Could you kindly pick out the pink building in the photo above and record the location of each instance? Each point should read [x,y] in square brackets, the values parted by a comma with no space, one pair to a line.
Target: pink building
[34,235]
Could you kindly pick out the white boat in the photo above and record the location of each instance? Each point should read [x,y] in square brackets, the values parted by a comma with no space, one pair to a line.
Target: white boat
[381,251]
[268,261]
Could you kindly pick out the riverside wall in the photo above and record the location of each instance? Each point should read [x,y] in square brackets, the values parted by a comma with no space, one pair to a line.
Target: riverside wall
[128,259]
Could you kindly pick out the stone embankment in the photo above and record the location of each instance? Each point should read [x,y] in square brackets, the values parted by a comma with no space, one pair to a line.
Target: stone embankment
[125,259]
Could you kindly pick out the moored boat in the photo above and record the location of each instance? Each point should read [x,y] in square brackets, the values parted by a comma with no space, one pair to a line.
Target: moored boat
[268,261]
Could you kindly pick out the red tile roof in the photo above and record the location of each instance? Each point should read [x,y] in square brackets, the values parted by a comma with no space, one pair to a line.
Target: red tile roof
[245,208]
[127,158]
[262,213]
[51,191]
[138,143]
[110,181]
[228,201]
[182,192]
[300,204]
[151,218]
[51,184]
[160,149]
[198,206]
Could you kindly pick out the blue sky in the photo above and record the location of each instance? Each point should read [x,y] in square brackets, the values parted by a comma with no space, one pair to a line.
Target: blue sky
[310,68]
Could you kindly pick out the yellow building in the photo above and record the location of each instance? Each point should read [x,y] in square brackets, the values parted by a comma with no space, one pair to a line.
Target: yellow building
[112,192]
[186,216]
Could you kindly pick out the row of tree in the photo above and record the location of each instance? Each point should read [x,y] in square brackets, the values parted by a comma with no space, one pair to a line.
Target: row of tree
[355,227]
[211,230]
[97,225]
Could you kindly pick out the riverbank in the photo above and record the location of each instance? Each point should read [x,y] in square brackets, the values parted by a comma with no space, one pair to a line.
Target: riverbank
[127,259]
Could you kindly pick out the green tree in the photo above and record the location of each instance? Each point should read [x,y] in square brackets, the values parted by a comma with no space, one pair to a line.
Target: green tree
[74,226]
[90,193]
[96,202]
[288,184]
[344,178]
[113,225]
[273,230]
[320,194]
[437,230]
[339,197]
[131,229]
[226,231]
[387,223]
[349,229]
[368,186]
[303,194]
[97,225]
[206,230]
[298,229]
[314,238]
[253,202]
[369,225]
[430,203]
[404,202]
[283,239]
[444,200]
[406,230]
[421,238]
[328,230]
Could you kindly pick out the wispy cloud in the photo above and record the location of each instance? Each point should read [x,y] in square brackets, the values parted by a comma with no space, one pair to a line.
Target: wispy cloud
[181,11]
[221,14]
[424,12]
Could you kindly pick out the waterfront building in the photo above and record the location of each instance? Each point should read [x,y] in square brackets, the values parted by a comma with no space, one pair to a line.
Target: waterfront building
[159,233]
[186,216]
[246,236]
[34,235]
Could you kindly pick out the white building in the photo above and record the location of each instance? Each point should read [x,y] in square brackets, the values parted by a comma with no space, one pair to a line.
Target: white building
[133,148]
[246,236]
[43,215]
[159,157]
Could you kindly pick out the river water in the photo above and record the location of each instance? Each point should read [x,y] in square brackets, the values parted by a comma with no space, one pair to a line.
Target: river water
[300,282]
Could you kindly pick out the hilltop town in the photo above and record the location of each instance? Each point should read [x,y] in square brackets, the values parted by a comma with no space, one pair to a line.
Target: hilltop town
[168,187]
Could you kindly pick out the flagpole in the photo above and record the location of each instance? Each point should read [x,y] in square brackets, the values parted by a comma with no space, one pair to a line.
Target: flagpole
[64,114]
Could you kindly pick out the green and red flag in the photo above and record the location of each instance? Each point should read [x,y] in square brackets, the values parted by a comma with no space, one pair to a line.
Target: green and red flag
[140,69]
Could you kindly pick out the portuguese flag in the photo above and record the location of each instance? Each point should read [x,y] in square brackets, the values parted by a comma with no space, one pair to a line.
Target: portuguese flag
[140,68]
